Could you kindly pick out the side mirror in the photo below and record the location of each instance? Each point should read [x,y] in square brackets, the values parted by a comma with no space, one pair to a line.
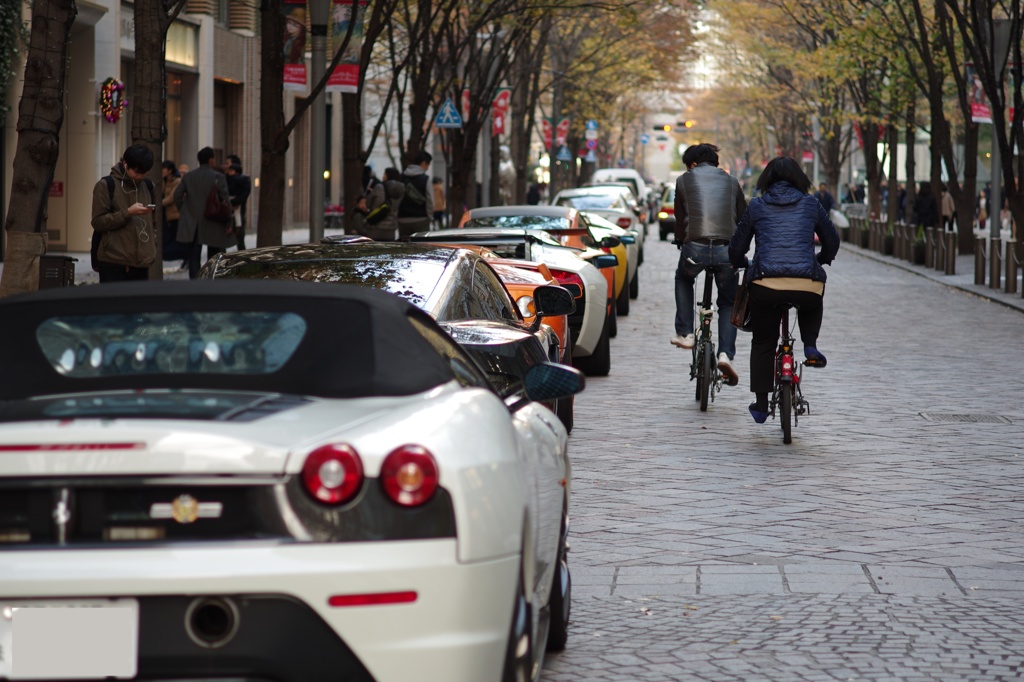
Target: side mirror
[627,239]
[610,242]
[550,299]
[550,381]
[605,260]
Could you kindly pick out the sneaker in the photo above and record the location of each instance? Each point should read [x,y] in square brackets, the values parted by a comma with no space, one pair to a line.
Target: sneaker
[759,416]
[683,341]
[727,370]
[814,357]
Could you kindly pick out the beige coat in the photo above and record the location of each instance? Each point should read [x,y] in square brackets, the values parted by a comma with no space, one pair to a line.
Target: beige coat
[171,208]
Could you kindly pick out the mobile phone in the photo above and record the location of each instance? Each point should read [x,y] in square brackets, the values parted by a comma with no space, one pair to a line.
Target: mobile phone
[150,206]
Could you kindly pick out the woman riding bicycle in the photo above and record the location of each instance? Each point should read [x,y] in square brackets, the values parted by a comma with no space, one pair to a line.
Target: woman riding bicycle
[785,268]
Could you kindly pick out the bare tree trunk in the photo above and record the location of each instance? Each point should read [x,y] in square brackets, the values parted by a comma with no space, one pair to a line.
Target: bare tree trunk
[273,137]
[892,138]
[352,158]
[149,97]
[911,170]
[40,117]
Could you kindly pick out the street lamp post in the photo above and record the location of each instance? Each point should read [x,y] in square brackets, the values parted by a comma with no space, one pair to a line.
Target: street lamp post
[318,12]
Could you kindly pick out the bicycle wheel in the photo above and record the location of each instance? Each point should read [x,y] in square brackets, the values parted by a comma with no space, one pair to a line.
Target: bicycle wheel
[786,409]
[706,375]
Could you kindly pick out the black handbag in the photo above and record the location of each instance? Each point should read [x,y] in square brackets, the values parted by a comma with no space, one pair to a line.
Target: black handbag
[741,304]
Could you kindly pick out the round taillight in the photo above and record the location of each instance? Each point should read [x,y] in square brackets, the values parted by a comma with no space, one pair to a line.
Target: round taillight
[409,475]
[333,474]
[624,222]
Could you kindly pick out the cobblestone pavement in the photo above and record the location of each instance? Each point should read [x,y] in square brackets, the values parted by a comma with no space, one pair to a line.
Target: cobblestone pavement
[885,543]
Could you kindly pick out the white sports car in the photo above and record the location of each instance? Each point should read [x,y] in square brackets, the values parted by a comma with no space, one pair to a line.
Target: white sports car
[267,480]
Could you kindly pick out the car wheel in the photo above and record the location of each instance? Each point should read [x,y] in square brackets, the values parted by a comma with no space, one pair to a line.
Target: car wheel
[622,302]
[613,321]
[560,602]
[519,652]
[634,285]
[598,363]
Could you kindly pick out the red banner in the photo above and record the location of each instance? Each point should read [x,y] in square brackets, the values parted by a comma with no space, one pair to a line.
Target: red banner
[499,111]
[295,44]
[562,132]
[546,132]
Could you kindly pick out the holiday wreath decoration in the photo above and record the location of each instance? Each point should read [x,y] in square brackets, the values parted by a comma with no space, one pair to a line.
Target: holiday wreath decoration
[112,100]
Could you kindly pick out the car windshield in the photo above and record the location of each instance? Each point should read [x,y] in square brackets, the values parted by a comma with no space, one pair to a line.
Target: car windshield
[104,345]
[522,222]
[587,202]
[411,277]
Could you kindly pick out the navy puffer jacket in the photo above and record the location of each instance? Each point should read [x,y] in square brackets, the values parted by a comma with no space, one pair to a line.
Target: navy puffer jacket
[785,220]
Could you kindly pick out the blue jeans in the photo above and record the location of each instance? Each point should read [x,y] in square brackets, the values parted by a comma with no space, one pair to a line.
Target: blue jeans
[686,274]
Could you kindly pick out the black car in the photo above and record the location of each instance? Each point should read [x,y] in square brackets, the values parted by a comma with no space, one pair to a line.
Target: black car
[456,286]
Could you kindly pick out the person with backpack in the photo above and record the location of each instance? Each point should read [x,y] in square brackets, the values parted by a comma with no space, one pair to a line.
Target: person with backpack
[123,203]
[193,197]
[416,211]
[381,221]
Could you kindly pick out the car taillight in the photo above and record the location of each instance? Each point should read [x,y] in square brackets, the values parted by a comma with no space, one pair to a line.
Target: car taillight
[624,222]
[569,280]
[333,474]
[666,212]
[409,475]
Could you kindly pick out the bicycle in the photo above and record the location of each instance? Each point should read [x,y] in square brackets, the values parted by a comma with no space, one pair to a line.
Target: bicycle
[704,366]
[787,395]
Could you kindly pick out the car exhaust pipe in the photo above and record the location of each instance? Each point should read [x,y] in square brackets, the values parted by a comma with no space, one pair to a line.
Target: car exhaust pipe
[211,622]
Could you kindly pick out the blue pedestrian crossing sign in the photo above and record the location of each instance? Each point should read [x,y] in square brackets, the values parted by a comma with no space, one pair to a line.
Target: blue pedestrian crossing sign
[448,116]
[564,154]
[591,124]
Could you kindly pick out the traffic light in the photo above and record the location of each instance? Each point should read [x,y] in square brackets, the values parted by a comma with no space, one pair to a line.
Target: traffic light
[666,128]
[689,123]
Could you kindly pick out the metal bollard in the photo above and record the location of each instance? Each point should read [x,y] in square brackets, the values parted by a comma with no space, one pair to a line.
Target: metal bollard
[1011,267]
[929,247]
[940,250]
[950,253]
[979,260]
[995,274]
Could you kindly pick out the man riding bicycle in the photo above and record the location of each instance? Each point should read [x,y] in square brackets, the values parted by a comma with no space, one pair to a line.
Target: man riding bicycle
[709,202]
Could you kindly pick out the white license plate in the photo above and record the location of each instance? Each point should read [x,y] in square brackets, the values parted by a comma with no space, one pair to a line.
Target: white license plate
[71,638]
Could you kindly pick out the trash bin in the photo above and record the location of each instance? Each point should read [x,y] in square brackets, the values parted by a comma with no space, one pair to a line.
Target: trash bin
[56,271]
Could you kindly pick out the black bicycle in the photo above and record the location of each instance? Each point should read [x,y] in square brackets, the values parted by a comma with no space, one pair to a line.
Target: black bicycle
[787,396]
[704,366]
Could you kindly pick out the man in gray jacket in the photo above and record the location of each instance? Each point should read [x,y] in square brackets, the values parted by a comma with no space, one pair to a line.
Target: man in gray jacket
[193,226]
[709,201]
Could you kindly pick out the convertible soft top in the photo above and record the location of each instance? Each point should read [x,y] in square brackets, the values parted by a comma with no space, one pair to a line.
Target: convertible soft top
[297,338]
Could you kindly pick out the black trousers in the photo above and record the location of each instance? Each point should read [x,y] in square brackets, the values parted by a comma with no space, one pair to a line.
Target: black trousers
[121,273]
[765,315]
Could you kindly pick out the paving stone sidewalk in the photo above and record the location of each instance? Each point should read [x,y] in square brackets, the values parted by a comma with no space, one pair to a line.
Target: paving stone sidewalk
[886,542]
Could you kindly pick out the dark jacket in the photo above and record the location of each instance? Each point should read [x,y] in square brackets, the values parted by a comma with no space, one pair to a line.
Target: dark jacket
[926,209]
[785,220]
[125,240]
[190,196]
[415,177]
[709,201]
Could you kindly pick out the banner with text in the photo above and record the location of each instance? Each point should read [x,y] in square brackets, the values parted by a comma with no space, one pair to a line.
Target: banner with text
[345,77]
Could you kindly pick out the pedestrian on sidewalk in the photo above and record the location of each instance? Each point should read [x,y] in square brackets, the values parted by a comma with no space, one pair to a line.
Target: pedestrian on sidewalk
[439,203]
[194,227]
[417,208]
[708,203]
[172,249]
[239,188]
[785,268]
[123,203]
[926,209]
[948,209]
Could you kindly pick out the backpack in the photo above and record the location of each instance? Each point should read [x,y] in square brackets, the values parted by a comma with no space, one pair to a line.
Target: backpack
[412,192]
[98,236]
[378,214]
